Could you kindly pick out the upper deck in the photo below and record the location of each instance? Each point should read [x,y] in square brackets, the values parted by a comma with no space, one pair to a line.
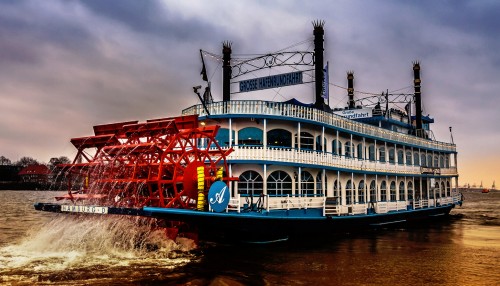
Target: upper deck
[286,111]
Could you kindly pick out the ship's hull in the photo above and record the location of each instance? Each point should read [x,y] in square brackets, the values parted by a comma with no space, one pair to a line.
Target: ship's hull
[270,226]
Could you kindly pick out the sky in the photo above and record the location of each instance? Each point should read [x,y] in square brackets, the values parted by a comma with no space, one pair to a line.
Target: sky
[68,65]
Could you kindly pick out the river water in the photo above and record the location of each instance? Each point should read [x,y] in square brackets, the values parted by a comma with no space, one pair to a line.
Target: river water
[38,248]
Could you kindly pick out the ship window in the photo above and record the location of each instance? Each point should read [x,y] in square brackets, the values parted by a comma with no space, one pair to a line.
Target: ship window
[222,137]
[279,138]
[410,190]
[337,147]
[371,153]
[360,151]
[416,159]
[402,191]
[306,141]
[337,188]
[393,191]
[408,158]
[319,146]
[306,184]
[319,184]
[381,154]
[361,192]
[250,136]
[250,183]
[349,149]
[423,161]
[383,191]
[391,155]
[401,157]
[279,183]
[349,190]
[373,191]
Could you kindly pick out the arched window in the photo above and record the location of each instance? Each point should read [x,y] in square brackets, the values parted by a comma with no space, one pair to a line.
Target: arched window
[360,151]
[416,159]
[371,153]
[319,184]
[448,189]
[401,157]
[393,191]
[402,196]
[250,136]
[361,192]
[337,147]
[443,189]
[306,184]
[222,137]
[373,191]
[441,161]
[250,183]
[383,191]
[279,138]
[306,141]
[436,161]
[319,146]
[349,191]
[446,161]
[410,190]
[337,189]
[279,183]
[349,149]
[423,161]
[391,155]
[381,154]
[429,160]
[408,158]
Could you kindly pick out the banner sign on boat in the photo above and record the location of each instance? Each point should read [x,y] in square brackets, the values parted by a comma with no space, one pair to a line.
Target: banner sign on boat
[84,209]
[218,196]
[355,113]
[272,81]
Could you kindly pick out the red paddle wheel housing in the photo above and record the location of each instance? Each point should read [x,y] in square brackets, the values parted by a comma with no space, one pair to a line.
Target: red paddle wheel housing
[146,164]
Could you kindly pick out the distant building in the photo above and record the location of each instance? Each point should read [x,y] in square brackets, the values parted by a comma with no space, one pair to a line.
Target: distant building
[39,174]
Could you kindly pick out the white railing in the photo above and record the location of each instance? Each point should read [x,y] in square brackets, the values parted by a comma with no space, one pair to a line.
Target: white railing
[289,202]
[234,204]
[320,159]
[381,207]
[255,107]
[417,204]
[402,205]
[359,209]
[424,203]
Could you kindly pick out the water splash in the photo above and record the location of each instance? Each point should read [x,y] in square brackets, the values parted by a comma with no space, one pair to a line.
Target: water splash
[81,242]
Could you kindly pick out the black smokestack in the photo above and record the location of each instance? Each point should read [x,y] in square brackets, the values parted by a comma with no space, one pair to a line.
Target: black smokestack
[226,71]
[350,89]
[318,60]
[418,98]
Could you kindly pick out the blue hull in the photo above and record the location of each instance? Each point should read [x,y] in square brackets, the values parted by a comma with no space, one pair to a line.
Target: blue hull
[273,225]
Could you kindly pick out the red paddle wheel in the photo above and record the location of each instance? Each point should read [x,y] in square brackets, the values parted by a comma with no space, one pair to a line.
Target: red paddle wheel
[156,163]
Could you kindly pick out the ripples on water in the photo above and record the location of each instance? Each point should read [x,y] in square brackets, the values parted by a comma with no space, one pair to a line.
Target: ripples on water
[53,249]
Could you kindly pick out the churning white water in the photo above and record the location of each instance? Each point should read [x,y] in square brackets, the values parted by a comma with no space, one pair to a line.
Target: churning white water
[94,244]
